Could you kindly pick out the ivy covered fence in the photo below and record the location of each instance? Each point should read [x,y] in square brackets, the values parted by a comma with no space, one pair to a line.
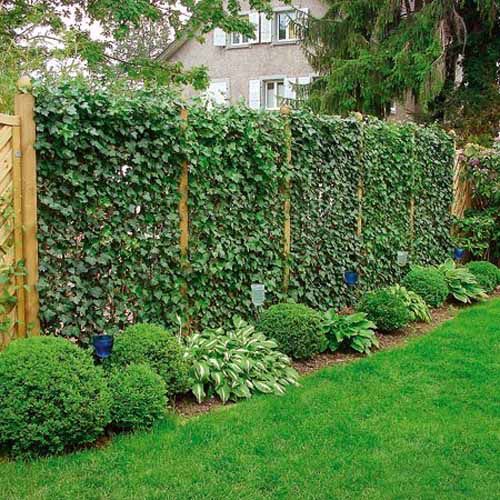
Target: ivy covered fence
[109,172]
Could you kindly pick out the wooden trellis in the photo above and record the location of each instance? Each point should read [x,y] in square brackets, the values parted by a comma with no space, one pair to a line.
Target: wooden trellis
[18,221]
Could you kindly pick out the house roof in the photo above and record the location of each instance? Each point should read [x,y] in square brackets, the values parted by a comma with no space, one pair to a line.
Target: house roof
[172,47]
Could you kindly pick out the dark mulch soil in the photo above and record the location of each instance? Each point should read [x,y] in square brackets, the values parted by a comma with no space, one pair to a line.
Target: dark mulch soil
[187,406]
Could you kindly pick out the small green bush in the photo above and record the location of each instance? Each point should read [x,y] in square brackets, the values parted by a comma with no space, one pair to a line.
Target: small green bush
[486,274]
[139,397]
[427,282]
[52,397]
[156,347]
[386,309]
[237,363]
[296,328]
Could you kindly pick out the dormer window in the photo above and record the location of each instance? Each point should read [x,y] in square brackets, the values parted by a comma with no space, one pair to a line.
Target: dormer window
[286,29]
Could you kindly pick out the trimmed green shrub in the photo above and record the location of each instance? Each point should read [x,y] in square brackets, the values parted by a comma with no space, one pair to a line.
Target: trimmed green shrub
[486,274]
[139,397]
[156,347]
[297,329]
[386,309]
[353,330]
[419,310]
[52,397]
[236,363]
[427,282]
[462,284]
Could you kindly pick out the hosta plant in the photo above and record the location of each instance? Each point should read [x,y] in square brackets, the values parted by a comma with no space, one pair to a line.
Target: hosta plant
[354,331]
[236,363]
[462,284]
[418,309]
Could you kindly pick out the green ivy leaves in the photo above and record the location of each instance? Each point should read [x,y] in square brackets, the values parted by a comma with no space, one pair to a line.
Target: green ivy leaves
[109,167]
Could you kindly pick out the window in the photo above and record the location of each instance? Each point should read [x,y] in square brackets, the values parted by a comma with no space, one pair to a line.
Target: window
[274,91]
[286,28]
[238,38]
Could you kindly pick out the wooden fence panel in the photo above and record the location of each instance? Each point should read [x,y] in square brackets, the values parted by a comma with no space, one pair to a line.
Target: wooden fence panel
[12,299]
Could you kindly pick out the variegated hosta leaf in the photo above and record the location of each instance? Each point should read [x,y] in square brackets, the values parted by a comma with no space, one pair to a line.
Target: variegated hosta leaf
[237,363]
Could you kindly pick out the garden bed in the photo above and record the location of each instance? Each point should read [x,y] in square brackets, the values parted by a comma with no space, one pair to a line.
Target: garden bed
[187,406]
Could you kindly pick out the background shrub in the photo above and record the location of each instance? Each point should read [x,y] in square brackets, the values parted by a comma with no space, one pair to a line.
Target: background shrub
[52,397]
[156,347]
[297,329]
[427,282]
[236,363]
[139,397]
[386,309]
[486,274]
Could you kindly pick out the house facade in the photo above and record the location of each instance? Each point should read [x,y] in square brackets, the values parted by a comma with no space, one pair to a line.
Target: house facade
[260,71]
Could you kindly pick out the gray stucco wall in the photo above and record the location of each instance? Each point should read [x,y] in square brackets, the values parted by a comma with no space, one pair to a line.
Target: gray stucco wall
[239,65]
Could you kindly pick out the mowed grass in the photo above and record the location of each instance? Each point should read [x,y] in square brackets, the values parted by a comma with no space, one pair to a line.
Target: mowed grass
[419,422]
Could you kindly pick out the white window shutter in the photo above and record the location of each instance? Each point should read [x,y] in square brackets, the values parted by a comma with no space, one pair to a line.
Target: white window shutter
[219,37]
[266,29]
[254,94]
[289,90]
[218,92]
[254,19]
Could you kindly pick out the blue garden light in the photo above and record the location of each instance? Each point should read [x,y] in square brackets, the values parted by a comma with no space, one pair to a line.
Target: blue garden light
[350,278]
[458,253]
[103,345]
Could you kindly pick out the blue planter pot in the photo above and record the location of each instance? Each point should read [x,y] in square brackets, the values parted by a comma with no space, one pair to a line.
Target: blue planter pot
[458,253]
[103,345]
[350,278]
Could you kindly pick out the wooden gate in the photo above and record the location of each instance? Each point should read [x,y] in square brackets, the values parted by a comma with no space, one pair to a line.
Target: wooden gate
[18,221]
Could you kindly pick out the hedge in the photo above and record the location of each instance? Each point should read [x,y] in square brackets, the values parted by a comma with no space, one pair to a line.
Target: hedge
[109,169]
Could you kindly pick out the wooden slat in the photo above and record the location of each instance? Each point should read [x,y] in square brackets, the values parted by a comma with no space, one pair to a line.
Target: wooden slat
[6,188]
[18,229]
[5,135]
[12,120]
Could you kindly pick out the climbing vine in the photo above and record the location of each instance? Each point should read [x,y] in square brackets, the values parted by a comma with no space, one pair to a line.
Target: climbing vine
[109,171]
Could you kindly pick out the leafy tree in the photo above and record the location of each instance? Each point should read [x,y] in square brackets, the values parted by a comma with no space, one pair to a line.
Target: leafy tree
[96,36]
[443,54]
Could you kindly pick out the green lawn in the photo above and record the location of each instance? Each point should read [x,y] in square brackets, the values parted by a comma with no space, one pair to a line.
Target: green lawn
[419,422]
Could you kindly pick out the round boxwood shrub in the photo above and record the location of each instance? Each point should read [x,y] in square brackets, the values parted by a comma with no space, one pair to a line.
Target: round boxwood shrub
[386,309]
[52,397]
[154,346]
[296,328]
[429,283]
[486,274]
[139,397]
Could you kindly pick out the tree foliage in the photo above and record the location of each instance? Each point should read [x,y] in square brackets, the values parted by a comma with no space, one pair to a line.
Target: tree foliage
[441,53]
[102,37]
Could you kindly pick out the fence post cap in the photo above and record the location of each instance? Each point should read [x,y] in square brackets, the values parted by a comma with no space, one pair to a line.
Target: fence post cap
[357,116]
[285,109]
[24,84]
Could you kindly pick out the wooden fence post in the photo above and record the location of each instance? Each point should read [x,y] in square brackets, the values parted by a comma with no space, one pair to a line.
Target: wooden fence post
[24,107]
[286,191]
[184,224]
